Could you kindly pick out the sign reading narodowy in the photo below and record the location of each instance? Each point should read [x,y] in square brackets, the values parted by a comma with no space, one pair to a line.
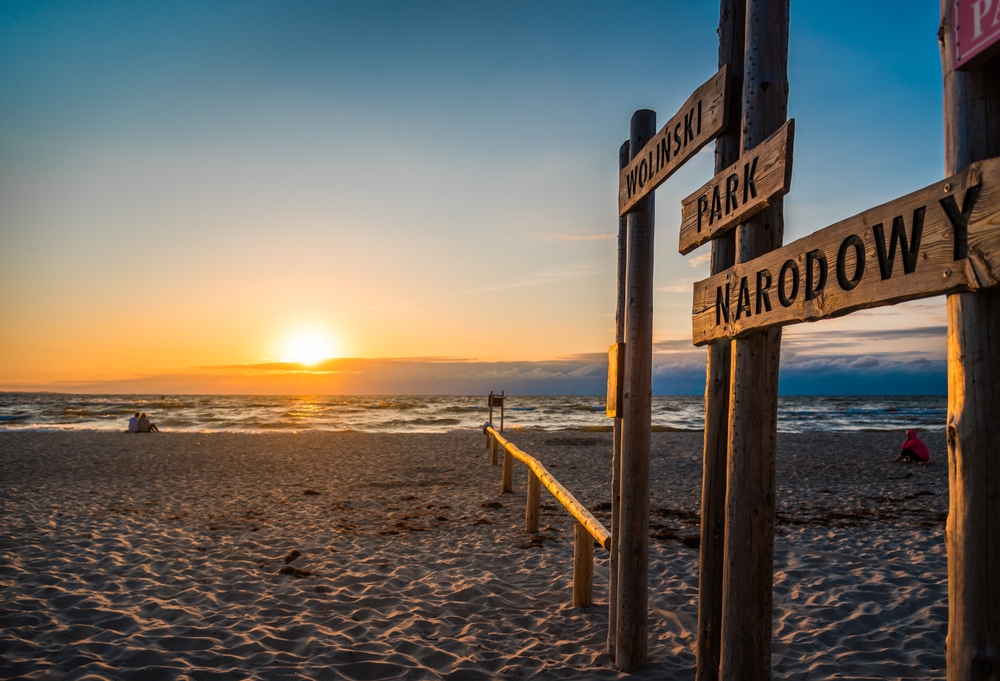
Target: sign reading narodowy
[975,26]
[739,191]
[701,119]
[941,239]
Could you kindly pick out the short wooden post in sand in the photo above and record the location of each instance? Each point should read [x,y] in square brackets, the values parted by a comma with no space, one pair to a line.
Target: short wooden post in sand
[508,472]
[583,567]
[490,440]
[616,446]
[732,24]
[532,506]
[631,634]
[972,133]
[748,590]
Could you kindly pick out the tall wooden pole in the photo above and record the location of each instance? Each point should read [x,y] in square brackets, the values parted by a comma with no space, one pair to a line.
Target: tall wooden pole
[732,23]
[633,524]
[753,408]
[616,447]
[972,133]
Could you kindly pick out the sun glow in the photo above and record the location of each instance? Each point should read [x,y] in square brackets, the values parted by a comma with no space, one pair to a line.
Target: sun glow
[308,349]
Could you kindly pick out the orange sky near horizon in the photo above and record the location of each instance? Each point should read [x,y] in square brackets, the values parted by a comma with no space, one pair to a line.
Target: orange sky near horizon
[176,196]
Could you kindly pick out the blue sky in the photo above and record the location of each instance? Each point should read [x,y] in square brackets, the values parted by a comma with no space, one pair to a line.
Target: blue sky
[195,185]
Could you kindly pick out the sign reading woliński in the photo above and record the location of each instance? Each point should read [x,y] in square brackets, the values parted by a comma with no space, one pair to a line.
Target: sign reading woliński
[701,119]
[975,26]
[941,239]
[739,191]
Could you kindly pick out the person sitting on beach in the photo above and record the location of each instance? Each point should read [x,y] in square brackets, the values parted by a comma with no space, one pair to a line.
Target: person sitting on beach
[133,424]
[914,450]
[147,426]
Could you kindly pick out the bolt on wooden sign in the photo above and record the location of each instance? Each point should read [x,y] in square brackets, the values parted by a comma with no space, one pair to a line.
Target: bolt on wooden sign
[701,119]
[941,239]
[740,191]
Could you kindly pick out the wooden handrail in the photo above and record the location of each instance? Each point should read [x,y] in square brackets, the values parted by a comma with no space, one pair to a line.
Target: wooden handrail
[563,495]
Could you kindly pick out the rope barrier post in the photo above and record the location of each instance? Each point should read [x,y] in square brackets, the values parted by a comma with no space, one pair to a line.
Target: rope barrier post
[583,566]
[508,472]
[532,506]
[488,438]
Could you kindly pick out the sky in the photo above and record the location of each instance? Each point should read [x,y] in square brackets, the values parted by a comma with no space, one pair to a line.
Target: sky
[413,197]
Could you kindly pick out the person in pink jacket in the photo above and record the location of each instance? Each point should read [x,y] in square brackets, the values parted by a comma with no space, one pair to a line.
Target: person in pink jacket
[914,449]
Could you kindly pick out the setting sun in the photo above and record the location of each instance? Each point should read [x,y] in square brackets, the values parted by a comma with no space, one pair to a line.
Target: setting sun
[308,349]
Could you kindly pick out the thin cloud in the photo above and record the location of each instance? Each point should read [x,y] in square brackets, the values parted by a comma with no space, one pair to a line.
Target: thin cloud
[586,237]
[699,260]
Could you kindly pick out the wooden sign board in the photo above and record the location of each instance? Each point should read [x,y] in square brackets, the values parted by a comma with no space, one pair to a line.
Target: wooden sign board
[740,191]
[616,355]
[496,401]
[975,26]
[941,239]
[701,119]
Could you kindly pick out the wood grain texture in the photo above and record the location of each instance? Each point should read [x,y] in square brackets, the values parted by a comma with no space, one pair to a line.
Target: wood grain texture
[703,116]
[736,193]
[532,503]
[616,447]
[615,355]
[748,582]
[972,133]
[878,233]
[562,495]
[507,475]
[583,567]
[631,639]
[732,25]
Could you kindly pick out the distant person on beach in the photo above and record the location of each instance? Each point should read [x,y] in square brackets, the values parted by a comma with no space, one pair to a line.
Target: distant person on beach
[914,450]
[147,426]
[133,424]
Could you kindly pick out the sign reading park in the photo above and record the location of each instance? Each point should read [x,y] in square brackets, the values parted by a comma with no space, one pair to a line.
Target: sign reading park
[740,191]
[941,239]
[700,120]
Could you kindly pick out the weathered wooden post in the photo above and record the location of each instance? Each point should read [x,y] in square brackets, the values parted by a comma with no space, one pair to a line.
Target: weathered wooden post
[972,133]
[750,503]
[508,458]
[633,523]
[616,446]
[583,566]
[532,505]
[494,460]
[732,23]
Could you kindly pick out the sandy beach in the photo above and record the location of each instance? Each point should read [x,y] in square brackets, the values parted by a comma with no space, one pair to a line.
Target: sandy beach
[371,556]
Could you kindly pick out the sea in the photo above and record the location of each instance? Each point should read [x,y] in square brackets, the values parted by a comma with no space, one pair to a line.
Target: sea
[437,414]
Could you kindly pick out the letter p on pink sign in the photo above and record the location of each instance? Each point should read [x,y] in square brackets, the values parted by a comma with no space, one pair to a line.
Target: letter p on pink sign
[975,26]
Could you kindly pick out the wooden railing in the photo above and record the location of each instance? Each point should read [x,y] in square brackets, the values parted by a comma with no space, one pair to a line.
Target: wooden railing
[587,528]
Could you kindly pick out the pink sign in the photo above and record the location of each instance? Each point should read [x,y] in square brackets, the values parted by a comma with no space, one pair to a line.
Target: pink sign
[975,31]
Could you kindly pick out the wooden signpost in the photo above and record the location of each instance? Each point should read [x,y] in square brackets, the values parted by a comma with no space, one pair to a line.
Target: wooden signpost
[703,116]
[938,240]
[943,239]
[653,157]
[740,191]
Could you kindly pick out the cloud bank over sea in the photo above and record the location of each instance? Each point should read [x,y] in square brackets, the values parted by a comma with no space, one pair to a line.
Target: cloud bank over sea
[893,362]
